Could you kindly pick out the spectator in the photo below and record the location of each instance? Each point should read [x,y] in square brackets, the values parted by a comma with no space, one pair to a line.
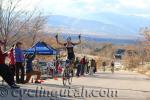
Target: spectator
[92,67]
[12,61]
[78,66]
[5,72]
[19,62]
[87,67]
[50,68]
[56,65]
[59,68]
[29,69]
[104,66]
[112,66]
[83,63]
[36,66]
[95,67]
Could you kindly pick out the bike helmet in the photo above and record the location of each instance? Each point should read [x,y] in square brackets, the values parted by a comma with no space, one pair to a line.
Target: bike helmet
[69,38]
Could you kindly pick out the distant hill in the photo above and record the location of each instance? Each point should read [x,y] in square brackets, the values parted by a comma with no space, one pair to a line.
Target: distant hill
[83,25]
[93,38]
[107,24]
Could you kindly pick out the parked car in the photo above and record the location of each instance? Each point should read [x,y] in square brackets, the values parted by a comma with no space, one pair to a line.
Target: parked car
[118,65]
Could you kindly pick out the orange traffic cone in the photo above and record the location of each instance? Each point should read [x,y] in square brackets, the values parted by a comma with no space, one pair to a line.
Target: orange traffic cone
[55,78]
[41,81]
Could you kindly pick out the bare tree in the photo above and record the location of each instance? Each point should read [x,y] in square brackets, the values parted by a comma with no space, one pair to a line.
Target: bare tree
[14,21]
[146,33]
[36,26]
[145,45]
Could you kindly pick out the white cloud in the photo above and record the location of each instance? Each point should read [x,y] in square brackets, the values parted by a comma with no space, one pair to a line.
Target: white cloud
[79,8]
[25,5]
[136,4]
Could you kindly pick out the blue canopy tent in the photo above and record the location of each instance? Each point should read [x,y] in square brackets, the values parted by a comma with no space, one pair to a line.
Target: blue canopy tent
[42,49]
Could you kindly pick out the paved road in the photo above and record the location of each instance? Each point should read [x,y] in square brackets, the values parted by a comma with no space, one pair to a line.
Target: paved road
[101,86]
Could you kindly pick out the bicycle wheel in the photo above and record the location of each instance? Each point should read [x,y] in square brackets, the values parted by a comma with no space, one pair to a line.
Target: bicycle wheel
[112,70]
[65,77]
[104,69]
[70,77]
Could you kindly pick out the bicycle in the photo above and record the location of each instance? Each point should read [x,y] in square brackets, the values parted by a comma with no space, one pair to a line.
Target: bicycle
[68,73]
[112,69]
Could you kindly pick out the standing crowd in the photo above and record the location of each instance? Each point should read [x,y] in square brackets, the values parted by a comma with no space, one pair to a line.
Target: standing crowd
[15,67]
[85,66]
[20,66]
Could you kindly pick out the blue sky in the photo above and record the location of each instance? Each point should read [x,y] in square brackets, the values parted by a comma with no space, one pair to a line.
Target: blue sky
[85,8]
[93,10]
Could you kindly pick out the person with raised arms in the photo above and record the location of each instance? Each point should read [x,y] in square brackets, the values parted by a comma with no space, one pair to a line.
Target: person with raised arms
[69,45]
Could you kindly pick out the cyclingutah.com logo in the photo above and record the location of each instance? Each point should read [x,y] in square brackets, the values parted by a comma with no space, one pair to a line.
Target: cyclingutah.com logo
[59,93]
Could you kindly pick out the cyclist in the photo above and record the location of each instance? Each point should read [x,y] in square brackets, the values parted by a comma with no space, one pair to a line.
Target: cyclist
[112,66]
[104,66]
[69,45]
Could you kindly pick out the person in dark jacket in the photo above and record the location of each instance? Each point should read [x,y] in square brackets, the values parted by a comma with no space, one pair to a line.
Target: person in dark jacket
[95,67]
[78,66]
[29,68]
[104,66]
[19,62]
[112,66]
[5,72]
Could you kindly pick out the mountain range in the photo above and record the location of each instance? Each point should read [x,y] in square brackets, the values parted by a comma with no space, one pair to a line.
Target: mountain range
[103,25]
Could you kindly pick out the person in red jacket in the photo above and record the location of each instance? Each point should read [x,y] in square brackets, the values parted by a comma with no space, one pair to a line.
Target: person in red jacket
[12,60]
[5,72]
[83,63]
